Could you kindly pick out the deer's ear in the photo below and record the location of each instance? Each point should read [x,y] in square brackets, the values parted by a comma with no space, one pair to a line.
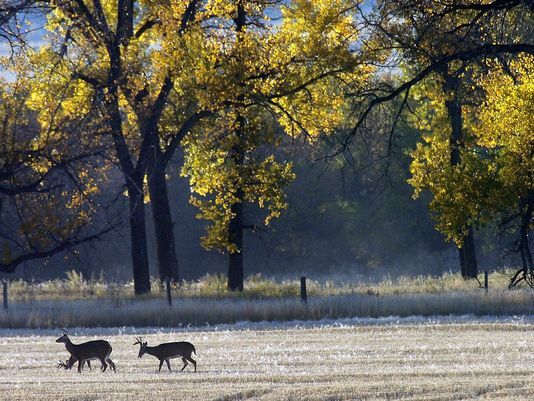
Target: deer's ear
[145,343]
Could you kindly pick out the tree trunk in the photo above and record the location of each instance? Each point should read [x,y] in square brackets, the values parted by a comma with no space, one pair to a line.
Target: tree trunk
[467,253]
[133,176]
[236,224]
[235,233]
[163,224]
[141,271]
[526,273]
[526,209]
[468,261]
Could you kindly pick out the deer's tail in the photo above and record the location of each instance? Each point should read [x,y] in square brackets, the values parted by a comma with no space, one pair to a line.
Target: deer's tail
[194,350]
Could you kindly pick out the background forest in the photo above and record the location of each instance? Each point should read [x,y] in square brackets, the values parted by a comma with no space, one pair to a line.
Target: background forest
[332,139]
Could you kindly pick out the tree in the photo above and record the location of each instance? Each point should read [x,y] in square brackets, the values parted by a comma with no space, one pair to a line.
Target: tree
[505,129]
[87,52]
[155,80]
[452,82]
[261,78]
[437,33]
[125,59]
[444,38]
[494,182]
[432,168]
[48,201]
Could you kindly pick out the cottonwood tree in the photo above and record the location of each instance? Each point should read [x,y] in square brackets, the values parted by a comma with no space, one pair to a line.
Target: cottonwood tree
[494,183]
[262,78]
[159,90]
[435,38]
[85,53]
[130,58]
[48,200]
[436,33]
[505,129]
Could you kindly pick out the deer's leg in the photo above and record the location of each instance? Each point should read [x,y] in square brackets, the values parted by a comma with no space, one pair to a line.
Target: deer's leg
[160,364]
[89,364]
[70,362]
[80,362]
[111,364]
[192,361]
[104,365]
[168,365]
[185,363]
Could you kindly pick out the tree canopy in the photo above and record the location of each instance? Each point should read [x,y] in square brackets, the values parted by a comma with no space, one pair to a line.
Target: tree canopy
[121,88]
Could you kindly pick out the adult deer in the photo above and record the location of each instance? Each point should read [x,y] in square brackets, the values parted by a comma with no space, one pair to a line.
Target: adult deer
[167,351]
[88,351]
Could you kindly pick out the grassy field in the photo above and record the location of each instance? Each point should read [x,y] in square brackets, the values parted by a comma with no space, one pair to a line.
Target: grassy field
[211,311]
[391,362]
[76,286]
[76,302]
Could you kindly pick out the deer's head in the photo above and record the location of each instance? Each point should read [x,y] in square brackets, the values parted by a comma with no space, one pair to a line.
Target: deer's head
[142,346]
[64,337]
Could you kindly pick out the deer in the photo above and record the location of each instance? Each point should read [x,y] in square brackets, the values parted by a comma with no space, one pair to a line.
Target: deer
[85,352]
[69,363]
[167,351]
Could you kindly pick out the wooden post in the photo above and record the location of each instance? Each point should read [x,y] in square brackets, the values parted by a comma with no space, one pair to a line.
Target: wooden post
[6,305]
[303,295]
[486,280]
[169,296]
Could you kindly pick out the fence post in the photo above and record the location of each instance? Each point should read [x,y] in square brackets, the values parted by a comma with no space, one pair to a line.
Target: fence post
[486,280]
[169,295]
[6,304]
[303,295]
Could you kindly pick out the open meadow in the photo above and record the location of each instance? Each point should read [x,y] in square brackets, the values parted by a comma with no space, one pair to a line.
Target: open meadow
[395,361]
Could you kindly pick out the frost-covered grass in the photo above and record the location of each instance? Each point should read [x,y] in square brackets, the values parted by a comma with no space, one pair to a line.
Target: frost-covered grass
[96,303]
[440,362]
[209,311]
[76,286]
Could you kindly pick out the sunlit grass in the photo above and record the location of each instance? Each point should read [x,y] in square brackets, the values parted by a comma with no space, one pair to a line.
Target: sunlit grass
[76,286]
[76,301]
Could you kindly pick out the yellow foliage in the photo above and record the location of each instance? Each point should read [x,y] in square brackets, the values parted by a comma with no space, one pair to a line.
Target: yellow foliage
[288,75]
[497,161]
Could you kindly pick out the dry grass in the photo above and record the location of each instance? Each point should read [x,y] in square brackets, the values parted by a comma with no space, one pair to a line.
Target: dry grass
[76,286]
[203,311]
[77,302]
[439,362]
